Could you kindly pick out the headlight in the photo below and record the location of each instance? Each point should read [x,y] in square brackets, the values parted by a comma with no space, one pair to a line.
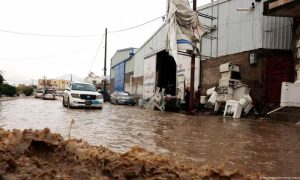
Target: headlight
[99,96]
[75,95]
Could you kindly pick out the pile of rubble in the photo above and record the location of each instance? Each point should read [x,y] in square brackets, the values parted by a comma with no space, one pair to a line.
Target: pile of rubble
[231,92]
[44,155]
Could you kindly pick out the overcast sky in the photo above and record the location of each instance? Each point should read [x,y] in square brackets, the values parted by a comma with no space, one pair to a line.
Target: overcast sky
[32,55]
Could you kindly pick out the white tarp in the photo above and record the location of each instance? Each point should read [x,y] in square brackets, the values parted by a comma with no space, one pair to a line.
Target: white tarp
[149,77]
[183,26]
[184,68]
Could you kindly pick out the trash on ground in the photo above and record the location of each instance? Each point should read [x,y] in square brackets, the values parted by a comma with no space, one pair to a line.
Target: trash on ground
[230,92]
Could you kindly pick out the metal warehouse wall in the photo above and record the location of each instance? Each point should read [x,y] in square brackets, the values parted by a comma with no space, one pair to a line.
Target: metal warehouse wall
[129,66]
[156,43]
[120,56]
[112,73]
[240,31]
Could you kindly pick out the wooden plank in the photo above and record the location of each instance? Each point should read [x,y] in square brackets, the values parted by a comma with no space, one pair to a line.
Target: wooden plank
[278,3]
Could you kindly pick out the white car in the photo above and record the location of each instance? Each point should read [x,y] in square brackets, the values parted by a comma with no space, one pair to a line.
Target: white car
[39,93]
[79,94]
[49,94]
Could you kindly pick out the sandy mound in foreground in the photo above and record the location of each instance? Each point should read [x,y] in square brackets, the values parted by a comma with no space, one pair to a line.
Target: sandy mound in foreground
[45,155]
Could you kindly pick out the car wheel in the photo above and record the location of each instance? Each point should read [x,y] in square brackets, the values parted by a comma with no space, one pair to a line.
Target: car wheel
[68,104]
[63,102]
[117,102]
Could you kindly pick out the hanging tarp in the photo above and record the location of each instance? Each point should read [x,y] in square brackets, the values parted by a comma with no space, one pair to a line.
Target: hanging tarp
[120,77]
[183,26]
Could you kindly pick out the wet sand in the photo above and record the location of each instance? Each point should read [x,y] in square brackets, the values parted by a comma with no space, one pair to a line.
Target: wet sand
[252,145]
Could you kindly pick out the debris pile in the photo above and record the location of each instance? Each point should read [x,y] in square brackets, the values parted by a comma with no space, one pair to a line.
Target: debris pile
[157,100]
[230,91]
[32,154]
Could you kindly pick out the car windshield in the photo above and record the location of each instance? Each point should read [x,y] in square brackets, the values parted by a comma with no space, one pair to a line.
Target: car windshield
[83,87]
[123,94]
[49,91]
[39,91]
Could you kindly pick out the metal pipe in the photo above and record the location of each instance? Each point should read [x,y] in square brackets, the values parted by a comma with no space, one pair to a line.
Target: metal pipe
[200,67]
[105,55]
[211,25]
[105,52]
[130,84]
[192,79]
[218,11]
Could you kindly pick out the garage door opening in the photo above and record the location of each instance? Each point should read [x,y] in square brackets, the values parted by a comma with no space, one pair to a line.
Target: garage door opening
[166,73]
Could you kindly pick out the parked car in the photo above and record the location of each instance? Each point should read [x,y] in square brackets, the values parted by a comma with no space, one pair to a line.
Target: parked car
[79,94]
[121,98]
[59,93]
[39,93]
[49,94]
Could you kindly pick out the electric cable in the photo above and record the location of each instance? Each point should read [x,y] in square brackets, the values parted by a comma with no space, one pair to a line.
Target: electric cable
[50,35]
[127,29]
[76,36]
[97,51]
[39,57]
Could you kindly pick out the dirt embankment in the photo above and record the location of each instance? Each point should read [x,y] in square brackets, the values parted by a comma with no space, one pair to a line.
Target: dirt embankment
[44,155]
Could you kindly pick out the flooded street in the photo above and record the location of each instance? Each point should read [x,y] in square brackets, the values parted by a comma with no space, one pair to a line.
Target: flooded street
[251,145]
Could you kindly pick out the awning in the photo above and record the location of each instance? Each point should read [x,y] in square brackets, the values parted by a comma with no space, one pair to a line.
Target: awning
[282,8]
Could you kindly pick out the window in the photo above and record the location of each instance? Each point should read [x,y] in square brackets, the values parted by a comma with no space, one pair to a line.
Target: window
[83,87]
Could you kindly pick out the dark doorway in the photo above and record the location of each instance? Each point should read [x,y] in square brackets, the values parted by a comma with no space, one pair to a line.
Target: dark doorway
[279,69]
[166,72]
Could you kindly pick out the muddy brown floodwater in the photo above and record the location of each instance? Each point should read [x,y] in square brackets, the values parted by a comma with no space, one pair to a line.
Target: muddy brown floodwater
[271,148]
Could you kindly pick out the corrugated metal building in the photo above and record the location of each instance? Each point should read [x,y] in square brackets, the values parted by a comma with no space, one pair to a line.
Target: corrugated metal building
[291,8]
[232,36]
[121,70]
[238,31]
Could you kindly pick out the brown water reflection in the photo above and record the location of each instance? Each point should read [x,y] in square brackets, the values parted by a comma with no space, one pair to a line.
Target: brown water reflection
[251,145]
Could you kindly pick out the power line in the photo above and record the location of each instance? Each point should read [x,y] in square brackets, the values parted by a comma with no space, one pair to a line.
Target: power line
[127,29]
[38,58]
[75,36]
[50,35]
[97,51]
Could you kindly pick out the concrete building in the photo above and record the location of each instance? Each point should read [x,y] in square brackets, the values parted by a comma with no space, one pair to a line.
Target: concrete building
[236,31]
[121,70]
[57,84]
[93,79]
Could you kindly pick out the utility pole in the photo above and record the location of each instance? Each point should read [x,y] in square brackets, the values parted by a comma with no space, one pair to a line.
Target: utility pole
[71,78]
[192,79]
[105,55]
[44,82]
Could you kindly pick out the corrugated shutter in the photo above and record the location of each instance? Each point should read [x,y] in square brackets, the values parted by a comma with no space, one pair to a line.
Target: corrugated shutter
[120,77]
